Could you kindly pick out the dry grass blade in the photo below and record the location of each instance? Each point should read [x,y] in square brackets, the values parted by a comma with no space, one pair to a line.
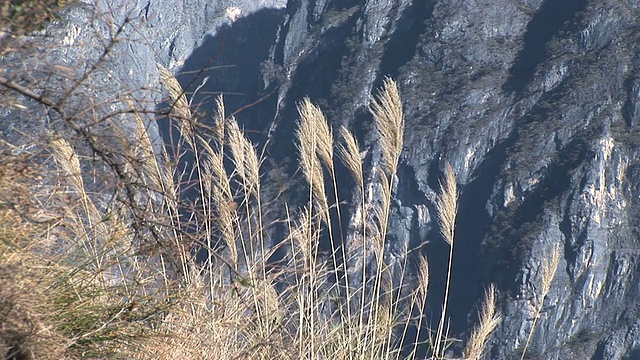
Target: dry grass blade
[350,154]
[489,318]
[389,120]
[447,205]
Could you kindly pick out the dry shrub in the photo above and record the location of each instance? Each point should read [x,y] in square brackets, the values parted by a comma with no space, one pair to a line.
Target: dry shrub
[48,308]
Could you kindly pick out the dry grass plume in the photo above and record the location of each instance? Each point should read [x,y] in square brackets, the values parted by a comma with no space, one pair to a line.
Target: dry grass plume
[488,320]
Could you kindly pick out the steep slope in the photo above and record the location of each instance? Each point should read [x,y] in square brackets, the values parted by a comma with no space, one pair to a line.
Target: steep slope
[535,105]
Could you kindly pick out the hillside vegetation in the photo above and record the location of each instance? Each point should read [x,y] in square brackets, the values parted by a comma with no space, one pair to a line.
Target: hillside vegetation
[103,255]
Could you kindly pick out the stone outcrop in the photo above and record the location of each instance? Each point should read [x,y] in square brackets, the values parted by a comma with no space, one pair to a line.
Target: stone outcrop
[534,104]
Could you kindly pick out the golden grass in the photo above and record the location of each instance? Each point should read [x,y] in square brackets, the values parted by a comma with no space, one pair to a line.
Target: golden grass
[86,222]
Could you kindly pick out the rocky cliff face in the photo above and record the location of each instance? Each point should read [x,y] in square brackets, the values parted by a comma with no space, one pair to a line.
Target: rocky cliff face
[536,104]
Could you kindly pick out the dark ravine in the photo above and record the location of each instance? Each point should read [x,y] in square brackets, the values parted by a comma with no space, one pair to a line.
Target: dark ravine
[534,103]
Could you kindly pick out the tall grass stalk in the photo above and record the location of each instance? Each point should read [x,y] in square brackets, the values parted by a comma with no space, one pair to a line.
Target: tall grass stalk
[447,209]
[388,118]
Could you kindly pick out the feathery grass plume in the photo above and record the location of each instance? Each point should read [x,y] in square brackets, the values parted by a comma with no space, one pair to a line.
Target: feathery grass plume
[219,176]
[219,119]
[324,136]
[386,109]
[247,165]
[252,167]
[96,233]
[324,152]
[251,186]
[236,144]
[217,187]
[217,171]
[302,237]
[447,205]
[180,110]
[548,269]
[180,107]
[489,318]
[309,160]
[144,153]
[447,209]
[349,152]
[381,211]
[68,162]
[423,277]
[244,157]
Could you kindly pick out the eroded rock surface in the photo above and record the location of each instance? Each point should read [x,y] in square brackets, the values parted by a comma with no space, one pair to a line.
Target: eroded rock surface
[534,103]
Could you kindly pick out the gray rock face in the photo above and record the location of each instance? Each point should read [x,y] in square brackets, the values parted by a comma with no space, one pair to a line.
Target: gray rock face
[534,103]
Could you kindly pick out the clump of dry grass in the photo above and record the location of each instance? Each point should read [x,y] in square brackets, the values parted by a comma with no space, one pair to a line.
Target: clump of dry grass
[109,296]
[24,332]
[59,300]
